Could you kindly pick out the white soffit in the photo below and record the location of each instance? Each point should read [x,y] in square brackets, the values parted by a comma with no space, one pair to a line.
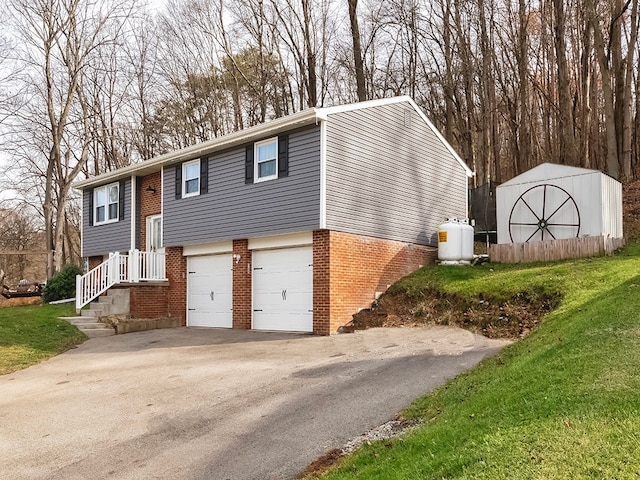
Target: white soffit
[207,249]
[281,241]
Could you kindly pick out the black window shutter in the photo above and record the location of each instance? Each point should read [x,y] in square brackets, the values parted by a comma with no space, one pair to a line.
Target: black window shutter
[91,207]
[204,175]
[248,164]
[179,182]
[283,156]
[121,200]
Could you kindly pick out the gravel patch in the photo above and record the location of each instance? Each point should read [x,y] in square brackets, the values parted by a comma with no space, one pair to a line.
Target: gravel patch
[391,429]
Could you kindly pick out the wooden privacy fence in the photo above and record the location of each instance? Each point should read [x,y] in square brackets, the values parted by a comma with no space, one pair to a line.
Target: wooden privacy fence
[554,249]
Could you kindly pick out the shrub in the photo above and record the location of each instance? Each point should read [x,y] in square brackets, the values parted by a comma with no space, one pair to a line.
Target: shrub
[62,285]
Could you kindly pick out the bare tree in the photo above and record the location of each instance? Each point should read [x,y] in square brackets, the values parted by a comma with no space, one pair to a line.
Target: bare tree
[297,26]
[607,19]
[20,240]
[60,39]
[357,50]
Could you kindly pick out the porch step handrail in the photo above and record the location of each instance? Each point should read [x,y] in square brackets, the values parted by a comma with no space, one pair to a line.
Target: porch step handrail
[132,267]
[97,281]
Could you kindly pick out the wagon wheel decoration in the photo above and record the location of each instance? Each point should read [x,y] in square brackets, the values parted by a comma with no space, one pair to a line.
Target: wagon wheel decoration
[544,215]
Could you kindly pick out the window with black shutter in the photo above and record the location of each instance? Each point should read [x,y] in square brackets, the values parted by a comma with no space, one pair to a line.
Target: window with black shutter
[107,204]
[192,178]
[267,159]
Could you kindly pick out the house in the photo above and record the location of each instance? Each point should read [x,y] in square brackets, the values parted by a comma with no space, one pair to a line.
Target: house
[291,225]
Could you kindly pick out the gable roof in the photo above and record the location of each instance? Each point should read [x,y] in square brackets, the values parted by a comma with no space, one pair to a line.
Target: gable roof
[548,171]
[303,118]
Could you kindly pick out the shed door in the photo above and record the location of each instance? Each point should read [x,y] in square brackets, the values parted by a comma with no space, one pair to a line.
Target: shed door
[283,289]
[209,287]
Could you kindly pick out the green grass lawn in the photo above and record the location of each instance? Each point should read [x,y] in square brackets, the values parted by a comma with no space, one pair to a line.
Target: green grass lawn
[33,333]
[563,403]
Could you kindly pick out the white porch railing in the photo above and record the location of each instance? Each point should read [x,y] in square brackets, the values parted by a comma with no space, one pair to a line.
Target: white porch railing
[135,266]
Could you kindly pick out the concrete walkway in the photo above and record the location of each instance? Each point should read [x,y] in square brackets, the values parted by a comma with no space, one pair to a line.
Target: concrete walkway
[216,404]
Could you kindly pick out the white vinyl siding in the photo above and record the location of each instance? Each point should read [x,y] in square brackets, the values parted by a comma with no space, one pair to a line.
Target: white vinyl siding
[388,175]
[191,178]
[266,160]
[106,204]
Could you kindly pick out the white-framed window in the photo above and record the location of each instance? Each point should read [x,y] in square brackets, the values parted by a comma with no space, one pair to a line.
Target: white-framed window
[191,178]
[266,160]
[106,204]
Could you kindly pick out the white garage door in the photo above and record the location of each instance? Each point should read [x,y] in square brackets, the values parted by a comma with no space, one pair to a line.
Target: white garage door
[209,287]
[283,289]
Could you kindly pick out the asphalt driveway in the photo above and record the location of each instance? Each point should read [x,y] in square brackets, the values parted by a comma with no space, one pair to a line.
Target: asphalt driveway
[216,404]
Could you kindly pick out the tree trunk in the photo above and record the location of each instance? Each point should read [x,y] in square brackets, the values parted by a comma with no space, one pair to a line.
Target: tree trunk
[626,102]
[312,80]
[567,142]
[585,121]
[47,210]
[608,93]
[523,158]
[357,51]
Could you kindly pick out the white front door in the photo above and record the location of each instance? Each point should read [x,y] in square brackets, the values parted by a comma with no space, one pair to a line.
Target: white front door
[283,289]
[209,287]
[154,267]
[154,234]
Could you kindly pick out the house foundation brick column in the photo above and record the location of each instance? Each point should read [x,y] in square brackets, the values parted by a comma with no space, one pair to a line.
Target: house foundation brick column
[321,283]
[242,303]
[150,203]
[176,268]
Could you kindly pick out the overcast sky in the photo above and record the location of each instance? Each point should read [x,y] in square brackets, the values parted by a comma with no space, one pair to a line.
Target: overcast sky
[157,4]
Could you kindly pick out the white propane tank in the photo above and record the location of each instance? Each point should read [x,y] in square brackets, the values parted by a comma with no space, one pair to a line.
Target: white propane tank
[467,240]
[449,241]
[455,242]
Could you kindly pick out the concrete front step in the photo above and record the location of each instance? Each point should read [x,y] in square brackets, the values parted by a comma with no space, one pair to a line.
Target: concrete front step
[96,309]
[90,326]
[115,302]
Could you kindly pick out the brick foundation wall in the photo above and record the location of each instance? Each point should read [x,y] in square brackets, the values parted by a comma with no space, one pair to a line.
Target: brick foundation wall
[94,262]
[242,285]
[176,268]
[149,301]
[359,268]
[150,203]
[348,271]
[321,283]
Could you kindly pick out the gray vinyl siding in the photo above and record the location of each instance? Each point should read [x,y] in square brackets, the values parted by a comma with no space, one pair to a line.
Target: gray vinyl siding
[99,240]
[232,209]
[389,180]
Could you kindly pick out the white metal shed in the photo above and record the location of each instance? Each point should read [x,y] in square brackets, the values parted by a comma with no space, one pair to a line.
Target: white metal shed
[552,202]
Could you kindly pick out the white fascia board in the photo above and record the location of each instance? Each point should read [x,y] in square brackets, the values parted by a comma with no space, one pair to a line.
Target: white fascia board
[303,118]
[470,173]
[132,245]
[162,205]
[82,226]
[323,174]
[325,112]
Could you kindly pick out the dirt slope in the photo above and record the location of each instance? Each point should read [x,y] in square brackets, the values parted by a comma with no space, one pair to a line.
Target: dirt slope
[511,319]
